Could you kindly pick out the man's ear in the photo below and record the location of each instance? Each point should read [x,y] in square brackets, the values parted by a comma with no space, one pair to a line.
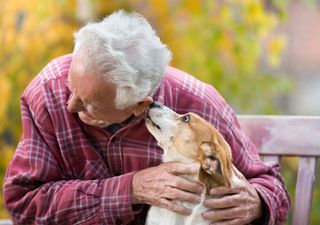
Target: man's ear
[142,106]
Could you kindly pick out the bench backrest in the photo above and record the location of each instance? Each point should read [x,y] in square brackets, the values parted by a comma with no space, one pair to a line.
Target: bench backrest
[277,136]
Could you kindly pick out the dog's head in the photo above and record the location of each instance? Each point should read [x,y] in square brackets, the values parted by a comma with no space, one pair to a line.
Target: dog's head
[189,138]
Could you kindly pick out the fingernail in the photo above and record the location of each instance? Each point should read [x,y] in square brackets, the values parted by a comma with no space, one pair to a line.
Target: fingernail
[194,167]
[197,200]
[213,192]
[200,189]
[204,215]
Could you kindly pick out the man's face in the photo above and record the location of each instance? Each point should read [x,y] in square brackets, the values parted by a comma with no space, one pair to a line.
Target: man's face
[92,97]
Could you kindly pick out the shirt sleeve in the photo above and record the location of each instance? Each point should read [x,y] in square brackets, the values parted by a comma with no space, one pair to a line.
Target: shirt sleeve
[35,192]
[265,177]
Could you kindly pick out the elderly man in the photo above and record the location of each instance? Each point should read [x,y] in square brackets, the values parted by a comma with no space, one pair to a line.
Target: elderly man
[85,156]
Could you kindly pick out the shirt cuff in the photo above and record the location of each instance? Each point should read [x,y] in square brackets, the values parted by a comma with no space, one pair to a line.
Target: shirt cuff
[266,209]
[116,200]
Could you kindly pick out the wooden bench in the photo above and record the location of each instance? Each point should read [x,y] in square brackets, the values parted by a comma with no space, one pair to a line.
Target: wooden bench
[277,136]
[5,222]
[299,136]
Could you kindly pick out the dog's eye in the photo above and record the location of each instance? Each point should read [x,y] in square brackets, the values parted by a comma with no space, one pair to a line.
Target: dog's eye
[185,118]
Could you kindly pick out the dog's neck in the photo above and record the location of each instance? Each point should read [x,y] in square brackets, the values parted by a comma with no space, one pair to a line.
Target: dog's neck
[170,154]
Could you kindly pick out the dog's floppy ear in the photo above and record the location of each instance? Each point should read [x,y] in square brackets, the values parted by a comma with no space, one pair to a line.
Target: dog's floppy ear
[215,160]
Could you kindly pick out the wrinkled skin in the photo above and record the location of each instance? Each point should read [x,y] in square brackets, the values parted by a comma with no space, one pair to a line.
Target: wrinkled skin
[235,205]
[161,185]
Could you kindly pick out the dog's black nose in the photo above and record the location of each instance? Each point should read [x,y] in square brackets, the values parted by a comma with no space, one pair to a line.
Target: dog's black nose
[155,105]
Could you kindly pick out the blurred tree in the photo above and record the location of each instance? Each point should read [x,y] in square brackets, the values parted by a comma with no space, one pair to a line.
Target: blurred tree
[32,33]
[220,42]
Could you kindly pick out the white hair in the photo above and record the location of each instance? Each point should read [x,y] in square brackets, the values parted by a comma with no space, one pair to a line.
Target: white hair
[124,49]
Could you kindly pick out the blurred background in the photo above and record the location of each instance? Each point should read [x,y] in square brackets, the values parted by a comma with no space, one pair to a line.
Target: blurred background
[263,56]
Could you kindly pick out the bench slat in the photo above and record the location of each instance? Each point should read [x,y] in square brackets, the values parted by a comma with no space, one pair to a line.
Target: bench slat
[289,150]
[271,158]
[5,222]
[283,135]
[304,189]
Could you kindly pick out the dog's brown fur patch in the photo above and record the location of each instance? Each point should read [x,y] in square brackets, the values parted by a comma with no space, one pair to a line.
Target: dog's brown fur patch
[206,145]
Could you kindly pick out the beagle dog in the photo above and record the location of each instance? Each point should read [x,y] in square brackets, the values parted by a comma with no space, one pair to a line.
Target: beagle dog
[190,139]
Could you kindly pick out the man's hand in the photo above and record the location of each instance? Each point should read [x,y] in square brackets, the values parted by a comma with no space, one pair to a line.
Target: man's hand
[235,205]
[162,185]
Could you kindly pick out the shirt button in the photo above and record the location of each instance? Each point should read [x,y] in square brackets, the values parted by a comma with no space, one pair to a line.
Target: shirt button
[119,222]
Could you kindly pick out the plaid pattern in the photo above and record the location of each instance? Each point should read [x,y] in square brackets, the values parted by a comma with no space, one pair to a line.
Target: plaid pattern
[65,172]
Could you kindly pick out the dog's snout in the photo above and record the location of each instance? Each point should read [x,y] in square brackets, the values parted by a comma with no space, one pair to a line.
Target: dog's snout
[155,105]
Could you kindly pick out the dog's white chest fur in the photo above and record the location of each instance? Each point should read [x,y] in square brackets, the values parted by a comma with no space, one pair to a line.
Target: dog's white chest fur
[161,216]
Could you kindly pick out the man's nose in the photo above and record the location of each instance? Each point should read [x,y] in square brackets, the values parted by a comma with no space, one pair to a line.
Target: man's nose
[74,105]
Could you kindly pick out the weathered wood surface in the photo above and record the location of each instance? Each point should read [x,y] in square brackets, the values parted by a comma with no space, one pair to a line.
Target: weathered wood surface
[298,136]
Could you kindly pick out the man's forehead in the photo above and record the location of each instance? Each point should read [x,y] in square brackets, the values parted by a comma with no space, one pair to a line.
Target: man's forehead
[68,81]
[76,71]
[91,88]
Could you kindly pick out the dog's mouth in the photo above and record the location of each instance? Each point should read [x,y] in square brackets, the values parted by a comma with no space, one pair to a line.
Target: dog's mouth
[152,122]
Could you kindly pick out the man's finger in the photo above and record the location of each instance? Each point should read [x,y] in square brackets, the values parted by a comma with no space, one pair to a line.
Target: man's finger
[229,222]
[164,203]
[223,214]
[181,168]
[219,191]
[177,194]
[227,201]
[186,185]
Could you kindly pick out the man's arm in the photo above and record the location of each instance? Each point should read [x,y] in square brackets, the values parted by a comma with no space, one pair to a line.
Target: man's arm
[88,202]
[37,192]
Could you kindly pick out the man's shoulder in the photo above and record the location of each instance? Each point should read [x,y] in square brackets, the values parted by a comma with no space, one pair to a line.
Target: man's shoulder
[184,92]
[56,69]
[184,82]
[187,84]
[50,82]
[179,78]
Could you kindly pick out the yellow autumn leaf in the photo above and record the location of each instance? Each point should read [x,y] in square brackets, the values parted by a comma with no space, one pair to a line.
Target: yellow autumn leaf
[6,154]
[5,88]
[275,48]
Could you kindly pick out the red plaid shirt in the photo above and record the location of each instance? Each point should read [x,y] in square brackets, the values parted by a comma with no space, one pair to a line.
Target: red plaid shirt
[66,172]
